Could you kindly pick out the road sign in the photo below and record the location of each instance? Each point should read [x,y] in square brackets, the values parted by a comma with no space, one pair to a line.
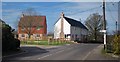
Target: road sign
[103,31]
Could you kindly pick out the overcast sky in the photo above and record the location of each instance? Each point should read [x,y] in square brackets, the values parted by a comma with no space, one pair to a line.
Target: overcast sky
[11,11]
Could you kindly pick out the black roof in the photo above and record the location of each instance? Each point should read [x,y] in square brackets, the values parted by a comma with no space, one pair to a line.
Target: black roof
[75,23]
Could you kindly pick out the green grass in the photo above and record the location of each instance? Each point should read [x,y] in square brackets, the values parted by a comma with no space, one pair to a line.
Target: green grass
[44,42]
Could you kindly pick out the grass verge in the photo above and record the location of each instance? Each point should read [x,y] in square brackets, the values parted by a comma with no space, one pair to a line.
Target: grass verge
[43,42]
[108,53]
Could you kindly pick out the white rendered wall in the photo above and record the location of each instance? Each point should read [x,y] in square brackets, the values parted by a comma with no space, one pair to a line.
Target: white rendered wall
[66,28]
[57,28]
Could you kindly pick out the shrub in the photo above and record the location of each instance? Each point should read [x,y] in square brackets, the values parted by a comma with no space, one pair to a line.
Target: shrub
[8,40]
[116,44]
[15,44]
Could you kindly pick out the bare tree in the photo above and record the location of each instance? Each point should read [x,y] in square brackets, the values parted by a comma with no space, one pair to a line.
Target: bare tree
[94,24]
[30,12]
[29,21]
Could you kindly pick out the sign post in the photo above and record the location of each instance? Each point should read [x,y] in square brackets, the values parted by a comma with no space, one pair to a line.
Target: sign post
[104,31]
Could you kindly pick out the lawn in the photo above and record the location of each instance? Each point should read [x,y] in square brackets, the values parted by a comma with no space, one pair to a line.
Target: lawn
[45,42]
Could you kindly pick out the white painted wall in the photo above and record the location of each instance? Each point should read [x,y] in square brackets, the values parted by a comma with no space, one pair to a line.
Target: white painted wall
[57,28]
[68,29]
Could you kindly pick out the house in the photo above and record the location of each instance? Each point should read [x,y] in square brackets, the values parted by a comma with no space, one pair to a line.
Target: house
[33,27]
[69,28]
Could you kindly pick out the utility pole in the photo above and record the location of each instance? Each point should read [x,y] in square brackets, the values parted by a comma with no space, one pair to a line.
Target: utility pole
[104,24]
[116,28]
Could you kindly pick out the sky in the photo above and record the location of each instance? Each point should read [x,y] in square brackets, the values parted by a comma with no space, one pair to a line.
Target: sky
[11,11]
[59,0]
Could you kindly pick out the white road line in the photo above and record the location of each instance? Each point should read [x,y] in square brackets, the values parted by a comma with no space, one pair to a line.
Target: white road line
[90,52]
[86,56]
[45,56]
[60,51]
[56,52]
[51,54]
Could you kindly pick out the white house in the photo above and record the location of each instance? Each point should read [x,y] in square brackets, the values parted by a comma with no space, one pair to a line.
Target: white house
[69,28]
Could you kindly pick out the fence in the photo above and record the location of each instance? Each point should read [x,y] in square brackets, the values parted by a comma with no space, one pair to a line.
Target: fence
[49,41]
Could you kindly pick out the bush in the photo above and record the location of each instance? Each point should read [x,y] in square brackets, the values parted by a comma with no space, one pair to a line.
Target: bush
[15,44]
[116,44]
[109,48]
[8,40]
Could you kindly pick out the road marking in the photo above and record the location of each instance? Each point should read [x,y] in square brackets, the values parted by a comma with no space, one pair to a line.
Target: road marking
[51,54]
[57,52]
[42,57]
[45,56]
[90,52]
[87,55]
[60,51]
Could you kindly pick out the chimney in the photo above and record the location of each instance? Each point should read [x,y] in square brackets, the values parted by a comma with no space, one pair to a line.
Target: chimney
[22,15]
[62,14]
[62,26]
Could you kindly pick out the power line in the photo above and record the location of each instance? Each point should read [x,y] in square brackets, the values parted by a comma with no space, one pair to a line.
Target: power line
[77,12]
[109,10]
[113,18]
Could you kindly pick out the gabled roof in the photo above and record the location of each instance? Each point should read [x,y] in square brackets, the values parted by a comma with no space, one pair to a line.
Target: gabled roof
[75,23]
[34,20]
[1,21]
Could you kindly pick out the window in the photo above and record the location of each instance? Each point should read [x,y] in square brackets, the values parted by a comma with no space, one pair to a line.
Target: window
[38,35]
[38,28]
[65,35]
[76,35]
[22,35]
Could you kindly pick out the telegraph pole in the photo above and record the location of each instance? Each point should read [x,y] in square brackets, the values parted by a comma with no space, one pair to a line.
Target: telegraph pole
[104,24]
[116,28]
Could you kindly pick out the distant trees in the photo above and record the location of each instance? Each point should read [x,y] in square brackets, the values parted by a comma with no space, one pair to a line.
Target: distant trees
[8,40]
[94,24]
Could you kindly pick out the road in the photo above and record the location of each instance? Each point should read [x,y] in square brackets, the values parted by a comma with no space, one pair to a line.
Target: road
[66,52]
